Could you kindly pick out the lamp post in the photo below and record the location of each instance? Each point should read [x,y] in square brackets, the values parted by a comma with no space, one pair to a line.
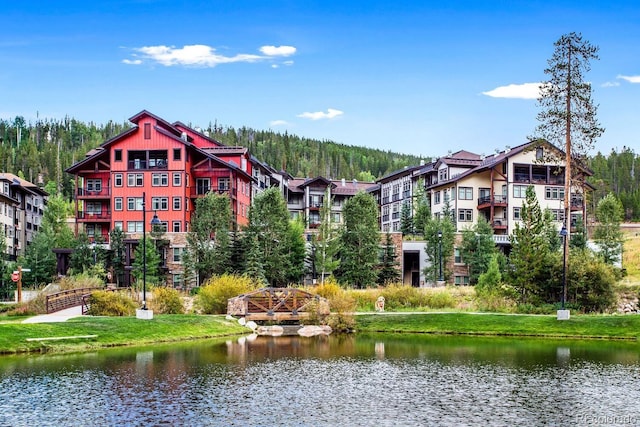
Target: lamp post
[313,265]
[155,221]
[441,279]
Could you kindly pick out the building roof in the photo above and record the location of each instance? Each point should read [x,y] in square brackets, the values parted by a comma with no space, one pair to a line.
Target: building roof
[338,186]
[23,183]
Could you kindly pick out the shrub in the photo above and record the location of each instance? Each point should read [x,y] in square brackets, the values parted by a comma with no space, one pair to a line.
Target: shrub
[103,303]
[167,301]
[329,289]
[439,299]
[592,282]
[341,318]
[213,296]
[398,296]
[82,280]
[364,299]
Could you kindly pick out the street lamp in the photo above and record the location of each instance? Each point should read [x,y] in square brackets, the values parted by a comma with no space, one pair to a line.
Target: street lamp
[441,279]
[313,264]
[154,221]
[563,233]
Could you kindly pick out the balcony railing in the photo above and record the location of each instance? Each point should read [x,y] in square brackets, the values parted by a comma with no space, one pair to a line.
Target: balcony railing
[148,164]
[99,215]
[203,191]
[485,200]
[83,192]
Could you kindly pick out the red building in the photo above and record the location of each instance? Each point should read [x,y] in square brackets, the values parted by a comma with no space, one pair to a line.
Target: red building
[172,165]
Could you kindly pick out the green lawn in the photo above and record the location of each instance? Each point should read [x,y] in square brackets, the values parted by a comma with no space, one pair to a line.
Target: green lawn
[112,331]
[579,326]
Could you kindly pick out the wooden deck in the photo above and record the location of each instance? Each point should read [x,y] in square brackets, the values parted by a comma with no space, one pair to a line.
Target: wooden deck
[276,304]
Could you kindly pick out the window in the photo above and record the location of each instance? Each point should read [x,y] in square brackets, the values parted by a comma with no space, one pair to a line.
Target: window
[520,191]
[385,195]
[160,203]
[461,280]
[94,207]
[134,203]
[147,131]
[465,193]
[134,226]
[436,198]
[135,180]
[177,179]
[443,174]
[539,153]
[446,195]
[117,203]
[385,213]
[517,213]
[557,215]
[177,280]
[118,225]
[406,190]
[117,155]
[203,185]
[395,214]
[176,226]
[335,217]
[465,215]
[117,179]
[177,153]
[94,185]
[457,256]
[177,203]
[177,255]
[159,179]
[223,184]
[396,192]
[554,193]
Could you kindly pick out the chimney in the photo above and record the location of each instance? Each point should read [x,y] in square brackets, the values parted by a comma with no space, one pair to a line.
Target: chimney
[344,182]
[184,136]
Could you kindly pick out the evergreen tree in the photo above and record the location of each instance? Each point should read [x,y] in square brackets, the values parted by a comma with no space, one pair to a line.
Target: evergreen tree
[326,242]
[389,266]
[154,275]
[254,266]
[296,247]
[209,247]
[117,254]
[269,225]
[423,211]
[607,233]
[83,256]
[477,248]
[406,219]
[359,242]
[530,254]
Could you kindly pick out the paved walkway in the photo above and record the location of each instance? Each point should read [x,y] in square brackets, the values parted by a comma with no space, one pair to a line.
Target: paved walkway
[59,316]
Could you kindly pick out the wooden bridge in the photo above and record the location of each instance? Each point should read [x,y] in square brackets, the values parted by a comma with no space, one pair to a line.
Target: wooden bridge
[69,298]
[277,304]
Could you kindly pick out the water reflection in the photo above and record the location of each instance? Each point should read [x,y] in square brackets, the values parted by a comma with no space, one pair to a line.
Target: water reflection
[337,380]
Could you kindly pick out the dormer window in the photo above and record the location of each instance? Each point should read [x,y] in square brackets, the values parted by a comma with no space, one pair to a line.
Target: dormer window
[443,174]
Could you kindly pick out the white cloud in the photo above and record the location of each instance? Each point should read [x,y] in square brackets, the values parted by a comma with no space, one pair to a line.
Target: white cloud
[199,55]
[610,84]
[630,79]
[278,50]
[521,91]
[318,115]
[278,123]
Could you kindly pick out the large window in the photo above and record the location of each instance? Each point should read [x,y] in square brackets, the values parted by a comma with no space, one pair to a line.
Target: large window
[177,255]
[436,198]
[160,179]
[465,193]
[134,203]
[520,191]
[203,185]
[134,226]
[94,207]
[443,174]
[94,185]
[554,193]
[465,215]
[160,203]
[223,184]
[135,180]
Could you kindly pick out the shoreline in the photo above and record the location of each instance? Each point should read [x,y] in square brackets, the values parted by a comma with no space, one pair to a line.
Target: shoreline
[92,333]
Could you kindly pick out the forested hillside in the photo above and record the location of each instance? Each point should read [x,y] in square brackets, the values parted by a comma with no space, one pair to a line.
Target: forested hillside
[41,151]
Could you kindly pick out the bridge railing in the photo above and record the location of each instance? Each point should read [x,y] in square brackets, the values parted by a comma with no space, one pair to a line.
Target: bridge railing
[66,299]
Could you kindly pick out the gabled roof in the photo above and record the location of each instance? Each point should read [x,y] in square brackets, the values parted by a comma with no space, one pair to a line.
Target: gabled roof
[338,186]
[29,186]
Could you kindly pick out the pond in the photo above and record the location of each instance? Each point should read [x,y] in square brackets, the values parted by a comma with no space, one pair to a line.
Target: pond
[364,380]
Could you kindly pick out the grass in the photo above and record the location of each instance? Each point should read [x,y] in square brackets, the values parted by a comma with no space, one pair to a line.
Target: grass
[631,259]
[581,326]
[112,332]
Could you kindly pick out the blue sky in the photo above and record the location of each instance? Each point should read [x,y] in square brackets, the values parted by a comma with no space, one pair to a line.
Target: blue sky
[415,77]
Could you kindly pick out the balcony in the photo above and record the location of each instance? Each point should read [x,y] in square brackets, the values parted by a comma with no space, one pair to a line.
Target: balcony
[202,191]
[83,193]
[487,201]
[577,203]
[499,224]
[98,216]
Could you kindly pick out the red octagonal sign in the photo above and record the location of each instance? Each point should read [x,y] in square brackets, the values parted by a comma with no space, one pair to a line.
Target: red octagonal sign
[15,276]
